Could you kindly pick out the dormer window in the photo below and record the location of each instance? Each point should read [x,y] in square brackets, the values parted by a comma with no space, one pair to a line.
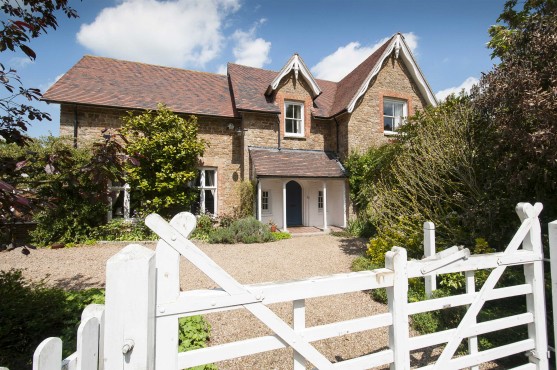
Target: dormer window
[293,119]
[394,114]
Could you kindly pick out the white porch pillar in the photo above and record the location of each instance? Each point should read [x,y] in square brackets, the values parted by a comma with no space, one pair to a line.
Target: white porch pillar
[126,201]
[344,210]
[259,200]
[284,207]
[325,226]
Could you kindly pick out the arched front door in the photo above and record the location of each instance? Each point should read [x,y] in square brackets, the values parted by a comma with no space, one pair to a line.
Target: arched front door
[293,204]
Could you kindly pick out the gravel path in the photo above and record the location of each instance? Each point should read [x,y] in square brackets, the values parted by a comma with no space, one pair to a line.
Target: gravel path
[296,258]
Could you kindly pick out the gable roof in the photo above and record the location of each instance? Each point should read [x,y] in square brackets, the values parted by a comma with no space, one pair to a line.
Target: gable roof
[116,83]
[269,162]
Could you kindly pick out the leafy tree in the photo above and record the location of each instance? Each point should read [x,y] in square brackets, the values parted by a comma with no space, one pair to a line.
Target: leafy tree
[517,101]
[22,21]
[168,150]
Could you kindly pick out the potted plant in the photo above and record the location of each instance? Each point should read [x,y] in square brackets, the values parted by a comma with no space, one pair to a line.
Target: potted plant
[272,226]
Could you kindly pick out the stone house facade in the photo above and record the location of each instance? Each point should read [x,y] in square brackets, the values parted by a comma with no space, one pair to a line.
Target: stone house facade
[286,130]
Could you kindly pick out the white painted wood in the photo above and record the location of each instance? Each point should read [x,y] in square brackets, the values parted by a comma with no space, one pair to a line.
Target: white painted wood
[397,295]
[97,310]
[88,344]
[284,227]
[70,362]
[429,251]
[344,208]
[130,309]
[325,224]
[535,302]
[464,299]
[532,212]
[367,362]
[553,268]
[471,288]
[298,324]
[528,366]
[225,281]
[435,264]
[48,355]
[259,201]
[127,201]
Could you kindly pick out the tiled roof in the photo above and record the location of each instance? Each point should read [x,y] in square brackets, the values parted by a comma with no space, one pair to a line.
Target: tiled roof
[349,85]
[295,163]
[117,83]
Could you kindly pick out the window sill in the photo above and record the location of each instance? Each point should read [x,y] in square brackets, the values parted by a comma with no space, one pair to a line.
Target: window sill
[294,136]
[391,133]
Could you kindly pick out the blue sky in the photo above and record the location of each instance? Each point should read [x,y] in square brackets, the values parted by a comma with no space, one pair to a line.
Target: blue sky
[448,38]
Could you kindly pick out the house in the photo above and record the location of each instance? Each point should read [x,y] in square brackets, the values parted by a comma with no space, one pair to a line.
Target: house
[286,130]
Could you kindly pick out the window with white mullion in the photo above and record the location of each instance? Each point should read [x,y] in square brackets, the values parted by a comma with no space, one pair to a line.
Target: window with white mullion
[293,119]
[206,182]
[266,201]
[320,201]
[394,114]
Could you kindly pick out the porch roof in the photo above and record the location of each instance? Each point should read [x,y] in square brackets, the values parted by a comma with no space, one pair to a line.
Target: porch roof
[270,162]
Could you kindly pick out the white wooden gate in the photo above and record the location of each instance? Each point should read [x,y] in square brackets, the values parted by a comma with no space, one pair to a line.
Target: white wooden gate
[144,302]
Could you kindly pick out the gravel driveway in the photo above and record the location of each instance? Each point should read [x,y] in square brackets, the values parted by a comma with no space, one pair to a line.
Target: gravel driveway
[296,258]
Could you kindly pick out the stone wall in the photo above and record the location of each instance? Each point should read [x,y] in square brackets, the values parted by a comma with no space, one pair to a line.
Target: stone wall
[365,124]
[223,152]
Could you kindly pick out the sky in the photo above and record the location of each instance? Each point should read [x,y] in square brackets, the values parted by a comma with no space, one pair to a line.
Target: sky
[448,38]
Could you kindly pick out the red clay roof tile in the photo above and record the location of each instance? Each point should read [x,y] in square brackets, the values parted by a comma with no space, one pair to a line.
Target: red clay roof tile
[117,83]
[295,163]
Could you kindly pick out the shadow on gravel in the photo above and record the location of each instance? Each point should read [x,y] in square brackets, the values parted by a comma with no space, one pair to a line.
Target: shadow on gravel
[77,282]
[353,246]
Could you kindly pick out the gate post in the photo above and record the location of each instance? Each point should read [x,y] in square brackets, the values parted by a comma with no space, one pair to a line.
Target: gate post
[553,266]
[429,251]
[129,335]
[396,260]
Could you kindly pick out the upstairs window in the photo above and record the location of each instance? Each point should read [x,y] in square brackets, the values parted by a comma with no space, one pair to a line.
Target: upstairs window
[294,119]
[394,114]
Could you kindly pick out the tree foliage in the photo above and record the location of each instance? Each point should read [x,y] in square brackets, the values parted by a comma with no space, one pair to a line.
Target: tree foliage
[168,150]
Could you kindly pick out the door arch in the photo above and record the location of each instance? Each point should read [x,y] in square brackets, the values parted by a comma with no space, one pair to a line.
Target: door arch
[293,204]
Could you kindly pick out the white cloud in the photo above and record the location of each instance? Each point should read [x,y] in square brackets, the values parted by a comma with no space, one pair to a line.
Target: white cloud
[251,50]
[176,33]
[222,69]
[47,85]
[466,86]
[20,62]
[338,64]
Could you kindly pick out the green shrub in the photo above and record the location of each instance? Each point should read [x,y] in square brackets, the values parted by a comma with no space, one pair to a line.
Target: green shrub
[246,230]
[32,312]
[281,235]
[246,195]
[121,230]
[194,333]
[360,227]
[362,264]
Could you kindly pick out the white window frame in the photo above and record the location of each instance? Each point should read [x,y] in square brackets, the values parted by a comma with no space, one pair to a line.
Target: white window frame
[401,120]
[300,120]
[269,206]
[202,187]
[320,201]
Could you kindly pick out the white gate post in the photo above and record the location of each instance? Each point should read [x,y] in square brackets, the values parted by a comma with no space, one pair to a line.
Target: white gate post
[130,310]
[298,324]
[472,341]
[48,355]
[535,302]
[396,260]
[553,266]
[429,250]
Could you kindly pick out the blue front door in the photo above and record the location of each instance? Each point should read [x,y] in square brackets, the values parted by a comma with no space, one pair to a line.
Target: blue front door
[293,204]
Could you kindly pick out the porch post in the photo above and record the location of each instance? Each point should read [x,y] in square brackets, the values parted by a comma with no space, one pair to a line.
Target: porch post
[259,200]
[284,207]
[127,201]
[344,210]
[325,226]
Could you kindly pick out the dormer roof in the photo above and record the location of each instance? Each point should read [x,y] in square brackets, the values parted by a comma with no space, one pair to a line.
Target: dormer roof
[296,65]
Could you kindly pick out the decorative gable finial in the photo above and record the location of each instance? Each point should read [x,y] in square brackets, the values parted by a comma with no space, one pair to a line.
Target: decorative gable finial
[397,45]
[297,65]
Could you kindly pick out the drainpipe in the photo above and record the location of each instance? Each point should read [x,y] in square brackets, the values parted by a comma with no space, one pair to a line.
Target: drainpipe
[75,126]
[338,146]
[278,131]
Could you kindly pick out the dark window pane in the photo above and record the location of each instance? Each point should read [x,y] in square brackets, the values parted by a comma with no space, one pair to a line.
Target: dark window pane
[209,177]
[297,111]
[289,126]
[289,111]
[388,123]
[209,202]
